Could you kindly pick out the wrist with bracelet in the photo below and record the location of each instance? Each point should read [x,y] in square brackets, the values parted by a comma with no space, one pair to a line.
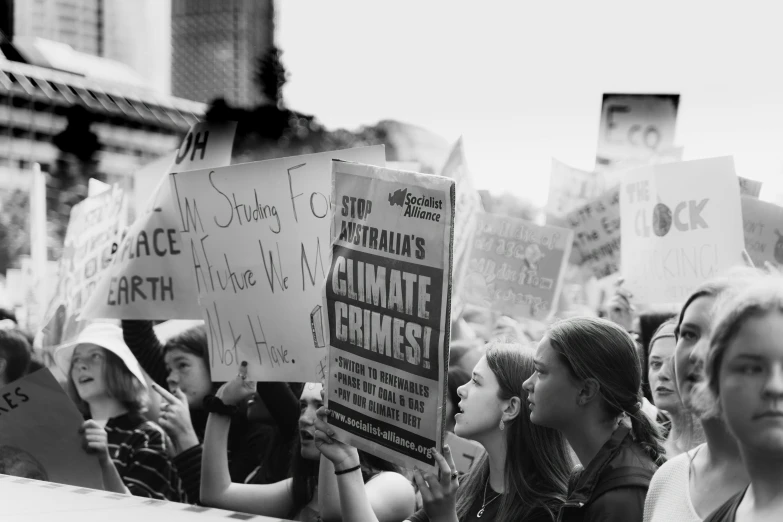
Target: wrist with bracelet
[213,404]
[348,470]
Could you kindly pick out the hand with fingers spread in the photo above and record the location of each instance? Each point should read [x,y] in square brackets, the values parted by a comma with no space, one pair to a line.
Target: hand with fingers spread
[439,494]
[95,441]
[175,418]
[342,455]
[237,390]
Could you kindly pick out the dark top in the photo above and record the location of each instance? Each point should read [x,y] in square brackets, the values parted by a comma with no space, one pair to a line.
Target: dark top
[728,511]
[614,485]
[139,450]
[252,446]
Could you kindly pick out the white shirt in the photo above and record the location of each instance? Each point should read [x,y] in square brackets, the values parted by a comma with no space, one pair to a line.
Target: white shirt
[669,496]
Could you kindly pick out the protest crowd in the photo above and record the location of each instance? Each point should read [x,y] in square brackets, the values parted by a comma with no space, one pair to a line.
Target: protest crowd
[460,374]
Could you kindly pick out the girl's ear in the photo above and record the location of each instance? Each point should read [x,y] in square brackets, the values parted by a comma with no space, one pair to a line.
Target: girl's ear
[513,409]
[590,390]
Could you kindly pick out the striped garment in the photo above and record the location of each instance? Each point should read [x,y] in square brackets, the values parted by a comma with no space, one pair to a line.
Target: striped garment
[140,452]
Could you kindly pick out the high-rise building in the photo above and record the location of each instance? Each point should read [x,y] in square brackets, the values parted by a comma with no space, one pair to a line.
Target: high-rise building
[216,46]
[78,23]
[136,33]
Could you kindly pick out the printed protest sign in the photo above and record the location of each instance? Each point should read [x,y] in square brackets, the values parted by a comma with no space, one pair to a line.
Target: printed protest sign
[763,226]
[387,299]
[681,225]
[39,434]
[516,267]
[570,188]
[749,187]
[635,126]
[150,277]
[92,233]
[466,208]
[256,236]
[597,233]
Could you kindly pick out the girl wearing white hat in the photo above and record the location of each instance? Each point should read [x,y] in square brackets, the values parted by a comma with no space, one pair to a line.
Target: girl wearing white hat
[108,385]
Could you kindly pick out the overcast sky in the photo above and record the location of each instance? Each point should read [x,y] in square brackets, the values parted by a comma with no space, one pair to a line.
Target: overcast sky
[522,81]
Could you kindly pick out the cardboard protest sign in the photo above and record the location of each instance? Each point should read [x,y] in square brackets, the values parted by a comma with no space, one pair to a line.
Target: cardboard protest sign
[39,434]
[467,206]
[596,228]
[256,236]
[387,299]
[516,267]
[570,188]
[613,173]
[150,277]
[90,238]
[681,225]
[749,187]
[635,126]
[147,180]
[763,227]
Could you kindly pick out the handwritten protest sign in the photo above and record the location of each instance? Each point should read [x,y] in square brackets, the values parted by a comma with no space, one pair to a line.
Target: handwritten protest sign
[256,236]
[517,267]
[150,276]
[468,205]
[749,187]
[387,296]
[570,188]
[39,434]
[597,233]
[681,224]
[763,226]
[635,126]
[90,238]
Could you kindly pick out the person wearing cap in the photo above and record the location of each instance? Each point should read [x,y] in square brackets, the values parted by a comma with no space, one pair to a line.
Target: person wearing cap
[108,386]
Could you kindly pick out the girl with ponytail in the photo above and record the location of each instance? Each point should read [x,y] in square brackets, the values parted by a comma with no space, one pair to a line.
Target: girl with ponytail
[587,385]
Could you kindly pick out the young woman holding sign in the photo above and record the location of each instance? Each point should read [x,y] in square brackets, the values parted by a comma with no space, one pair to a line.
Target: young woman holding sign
[587,385]
[108,386]
[524,472]
[690,486]
[258,451]
[311,494]
[745,377]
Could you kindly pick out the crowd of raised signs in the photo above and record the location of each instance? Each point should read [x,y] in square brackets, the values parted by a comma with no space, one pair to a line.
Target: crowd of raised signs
[616,412]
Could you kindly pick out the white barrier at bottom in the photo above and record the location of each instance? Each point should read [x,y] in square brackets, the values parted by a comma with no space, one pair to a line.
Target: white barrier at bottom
[26,500]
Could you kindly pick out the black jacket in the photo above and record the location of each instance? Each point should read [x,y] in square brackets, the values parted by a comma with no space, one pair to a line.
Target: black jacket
[614,485]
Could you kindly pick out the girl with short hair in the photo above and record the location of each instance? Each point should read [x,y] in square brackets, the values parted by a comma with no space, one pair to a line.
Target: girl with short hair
[745,378]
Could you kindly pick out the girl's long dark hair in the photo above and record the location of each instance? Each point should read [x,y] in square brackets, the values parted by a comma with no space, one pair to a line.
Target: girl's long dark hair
[538,464]
[601,350]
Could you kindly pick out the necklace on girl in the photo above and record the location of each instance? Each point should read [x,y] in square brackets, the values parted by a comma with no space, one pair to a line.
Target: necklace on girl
[484,506]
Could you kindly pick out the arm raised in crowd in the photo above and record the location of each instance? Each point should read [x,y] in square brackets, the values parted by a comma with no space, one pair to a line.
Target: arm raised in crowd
[217,490]
[342,493]
[147,348]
